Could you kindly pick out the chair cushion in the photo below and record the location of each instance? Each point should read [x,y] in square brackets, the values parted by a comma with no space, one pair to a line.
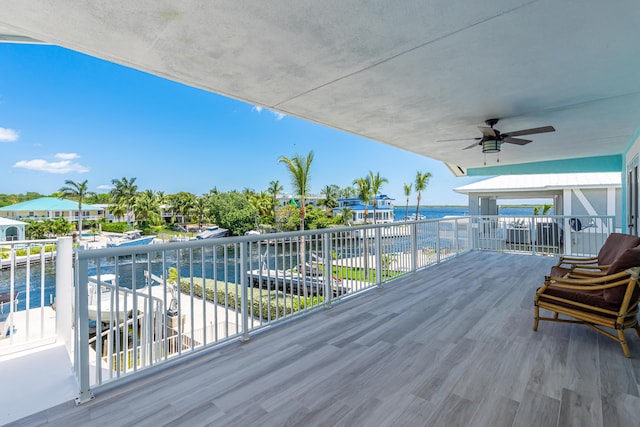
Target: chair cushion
[557,271]
[594,298]
[614,246]
[629,258]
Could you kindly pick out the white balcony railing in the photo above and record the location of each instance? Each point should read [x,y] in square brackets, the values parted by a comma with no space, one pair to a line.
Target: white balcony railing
[542,234]
[135,308]
[146,304]
[27,287]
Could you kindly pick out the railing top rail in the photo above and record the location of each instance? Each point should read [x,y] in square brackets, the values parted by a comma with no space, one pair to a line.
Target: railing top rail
[27,242]
[222,241]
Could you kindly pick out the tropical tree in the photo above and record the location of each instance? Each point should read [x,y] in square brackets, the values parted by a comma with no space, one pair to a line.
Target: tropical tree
[147,208]
[299,167]
[200,209]
[232,211]
[123,194]
[76,191]
[182,204]
[274,189]
[376,183]
[422,179]
[363,185]
[331,194]
[407,193]
[364,191]
[346,214]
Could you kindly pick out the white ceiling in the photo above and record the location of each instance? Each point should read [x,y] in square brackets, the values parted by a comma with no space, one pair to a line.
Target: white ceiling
[404,73]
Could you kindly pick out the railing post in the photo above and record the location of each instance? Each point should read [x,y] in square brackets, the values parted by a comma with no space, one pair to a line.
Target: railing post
[414,247]
[438,242]
[82,334]
[244,301]
[533,236]
[64,292]
[328,267]
[455,236]
[567,238]
[379,255]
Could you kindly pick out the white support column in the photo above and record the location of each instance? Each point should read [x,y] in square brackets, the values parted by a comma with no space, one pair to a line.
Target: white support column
[611,206]
[64,292]
[566,208]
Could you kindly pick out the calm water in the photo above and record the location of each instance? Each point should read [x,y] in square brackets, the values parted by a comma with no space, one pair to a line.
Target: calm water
[441,212]
[127,271]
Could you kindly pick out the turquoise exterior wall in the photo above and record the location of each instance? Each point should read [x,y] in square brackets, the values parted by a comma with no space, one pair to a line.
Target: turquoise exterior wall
[613,163]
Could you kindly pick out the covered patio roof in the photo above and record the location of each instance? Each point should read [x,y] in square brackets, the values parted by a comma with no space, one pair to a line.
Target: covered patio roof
[408,75]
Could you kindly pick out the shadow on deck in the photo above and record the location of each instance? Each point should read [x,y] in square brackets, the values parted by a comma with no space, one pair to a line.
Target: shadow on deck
[451,345]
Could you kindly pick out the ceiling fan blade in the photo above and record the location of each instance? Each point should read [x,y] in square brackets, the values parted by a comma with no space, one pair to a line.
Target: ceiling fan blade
[472,145]
[488,132]
[532,131]
[517,141]
[459,139]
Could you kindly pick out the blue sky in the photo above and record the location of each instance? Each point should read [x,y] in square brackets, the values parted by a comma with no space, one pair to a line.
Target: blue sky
[64,115]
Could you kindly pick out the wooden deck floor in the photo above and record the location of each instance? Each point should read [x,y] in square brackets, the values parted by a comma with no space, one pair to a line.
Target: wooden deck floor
[450,346]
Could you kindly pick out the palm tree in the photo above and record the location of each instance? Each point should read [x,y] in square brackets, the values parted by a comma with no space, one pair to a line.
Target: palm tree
[346,214]
[124,194]
[330,193]
[422,179]
[299,167]
[407,193]
[147,207]
[376,183]
[77,191]
[200,209]
[363,187]
[274,189]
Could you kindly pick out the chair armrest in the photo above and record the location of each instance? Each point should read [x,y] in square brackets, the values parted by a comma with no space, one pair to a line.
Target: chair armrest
[590,283]
[571,261]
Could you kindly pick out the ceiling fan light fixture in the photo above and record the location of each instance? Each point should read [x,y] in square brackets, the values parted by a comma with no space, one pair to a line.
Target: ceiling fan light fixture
[491,146]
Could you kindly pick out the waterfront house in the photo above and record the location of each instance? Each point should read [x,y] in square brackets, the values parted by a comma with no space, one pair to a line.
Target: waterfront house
[384,209]
[11,230]
[50,208]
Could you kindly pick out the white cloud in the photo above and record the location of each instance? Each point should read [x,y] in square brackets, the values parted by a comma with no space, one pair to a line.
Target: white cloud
[8,135]
[258,109]
[104,187]
[66,156]
[64,166]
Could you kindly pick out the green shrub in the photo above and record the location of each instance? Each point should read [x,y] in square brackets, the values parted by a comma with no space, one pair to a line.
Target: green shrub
[115,227]
[266,304]
[35,250]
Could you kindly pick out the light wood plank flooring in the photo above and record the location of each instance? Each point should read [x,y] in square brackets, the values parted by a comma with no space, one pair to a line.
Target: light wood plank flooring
[450,346]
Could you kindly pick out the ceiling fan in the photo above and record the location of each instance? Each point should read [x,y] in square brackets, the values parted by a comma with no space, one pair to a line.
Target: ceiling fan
[492,139]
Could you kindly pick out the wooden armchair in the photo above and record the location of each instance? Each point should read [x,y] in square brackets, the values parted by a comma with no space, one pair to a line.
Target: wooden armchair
[599,265]
[606,301]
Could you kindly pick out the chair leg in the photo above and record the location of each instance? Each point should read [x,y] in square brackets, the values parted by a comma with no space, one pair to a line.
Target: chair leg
[536,311]
[637,327]
[623,343]
[555,315]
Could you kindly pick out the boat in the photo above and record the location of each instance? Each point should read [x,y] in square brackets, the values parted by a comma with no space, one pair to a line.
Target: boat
[107,308]
[413,217]
[212,232]
[131,238]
